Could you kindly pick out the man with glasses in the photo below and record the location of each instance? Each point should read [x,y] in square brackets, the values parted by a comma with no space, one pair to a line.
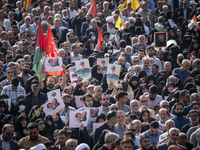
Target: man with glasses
[105,102]
[6,140]
[122,98]
[134,109]
[179,119]
[113,107]
[33,138]
[143,101]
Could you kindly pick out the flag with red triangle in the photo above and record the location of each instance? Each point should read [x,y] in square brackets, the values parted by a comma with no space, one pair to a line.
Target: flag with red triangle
[192,23]
[93,9]
[39,50]
[98,47]
[51,51]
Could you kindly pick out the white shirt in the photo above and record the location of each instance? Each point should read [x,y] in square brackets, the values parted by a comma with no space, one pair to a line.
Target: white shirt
[155,102]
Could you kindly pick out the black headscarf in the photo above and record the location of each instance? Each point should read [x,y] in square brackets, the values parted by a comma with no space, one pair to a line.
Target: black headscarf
[134,78]
[18,125]
[49,128]
[95,74]
[7,118]
[142,113]
[59,124]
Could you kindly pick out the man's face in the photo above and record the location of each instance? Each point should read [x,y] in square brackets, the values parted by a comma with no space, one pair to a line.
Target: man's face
[170,125]
[194,117]
[121,61]
[9,73]
[1,66]
[141,39]
[35,88]
[118,88]
[94,24]
[105,101]
[186,66]
[173,137]
[154,131]
[124,99]
[88,102]
[143,101]
[186,98]
[135,106]
[33,134]
[163,115]
[84,87]
[127,146]
[121,119]
[98,92]
[152,96]
[167,66]
[51,82]
[141,54]
[145,143]
[62,139]
[150,52]
[196,107]
[154,70]
[135,61]
[8,134]
[179,110]
[72,146]
[146,64]
[26,69]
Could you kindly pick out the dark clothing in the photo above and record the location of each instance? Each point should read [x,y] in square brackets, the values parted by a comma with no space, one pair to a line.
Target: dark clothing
[30,98]
[96,104]
[77,23]
[186,127]
[179,123]
[13,145]
[165,146]
[103,148]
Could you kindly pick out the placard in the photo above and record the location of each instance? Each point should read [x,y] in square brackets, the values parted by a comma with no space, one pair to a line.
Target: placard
[83,68]
[113,72]
[55,103]
[79,101]
[73,74]
[53,64]
[160,39]
[76,118]
[103,63]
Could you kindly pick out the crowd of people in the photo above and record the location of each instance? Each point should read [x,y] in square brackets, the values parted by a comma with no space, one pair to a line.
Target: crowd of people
[154,105]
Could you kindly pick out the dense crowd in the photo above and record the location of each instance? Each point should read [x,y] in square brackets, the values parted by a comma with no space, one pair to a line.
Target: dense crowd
[155,104]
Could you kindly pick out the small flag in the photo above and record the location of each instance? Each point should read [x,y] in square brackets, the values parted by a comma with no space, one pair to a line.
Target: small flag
[135,4]
[192,23]
[124,5]
[98,47]
[119,24]
[93,9]
[39,50]
[26,4]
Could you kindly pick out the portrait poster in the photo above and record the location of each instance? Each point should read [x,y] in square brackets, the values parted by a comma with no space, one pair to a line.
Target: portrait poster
[73,74]
[53,64]
[79,101]
[83,68]
[113,72]
[8,103]
[76,118]
[171,23]
[103,63]
[94,112]
[55,103]
[160,39]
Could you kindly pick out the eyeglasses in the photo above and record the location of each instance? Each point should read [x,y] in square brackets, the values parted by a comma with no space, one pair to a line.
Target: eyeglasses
[136,61]
[114,108]
[98,68]
[89,100]
[119,89]
[134,105]
[105,99]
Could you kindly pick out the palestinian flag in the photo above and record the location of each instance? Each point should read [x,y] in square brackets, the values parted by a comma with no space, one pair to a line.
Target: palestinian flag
[192,23]
[39,50]
[51,51]
[98,47]
[93,9]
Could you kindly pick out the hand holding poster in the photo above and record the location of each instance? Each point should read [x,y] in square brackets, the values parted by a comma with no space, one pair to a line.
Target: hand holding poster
[103,63]
[113,72]
[53,64]
[73,74]
[83,68]
[76,118]
[54,104]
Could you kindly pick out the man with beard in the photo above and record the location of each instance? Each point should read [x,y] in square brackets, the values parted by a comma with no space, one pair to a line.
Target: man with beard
[134,109]
[194,121]
[62,138]
[33,138]
[173,138]
[179,119]
[97,96]
[86,24]
[153,98]
[6,140]
[109,141]
[25,72]
[144,142]
[35,97]
[65,114]
[105,102]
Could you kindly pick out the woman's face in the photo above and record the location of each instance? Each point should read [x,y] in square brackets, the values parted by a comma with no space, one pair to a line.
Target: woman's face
[170,88]
[145,117]
[55,117]
[49,122]
[41,126]
[151,81]
[99,70]
[195,45]
[3,108]
[24,123]
[11,121]
[145,90]
[134,82]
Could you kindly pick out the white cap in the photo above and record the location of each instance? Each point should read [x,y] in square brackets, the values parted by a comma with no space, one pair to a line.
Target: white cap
[132,18]
[193,3]
[38,147]
[91,85]
[82,146]
[109,19]
[171,42]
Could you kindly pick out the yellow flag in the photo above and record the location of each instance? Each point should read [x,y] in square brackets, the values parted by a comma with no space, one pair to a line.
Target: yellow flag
[124,5]
[26,4]
[119,23]
[135,4]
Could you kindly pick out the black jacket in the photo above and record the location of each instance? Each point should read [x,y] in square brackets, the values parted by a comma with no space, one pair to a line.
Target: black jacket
[13,145]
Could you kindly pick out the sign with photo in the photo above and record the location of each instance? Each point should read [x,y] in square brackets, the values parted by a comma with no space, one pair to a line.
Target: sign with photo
[55,103]
[77,118]
[83,68]
[79,101]
[103,63]
[160,39]
[73,74]
[53,64]
[94,112]
[8,103]
[113,72]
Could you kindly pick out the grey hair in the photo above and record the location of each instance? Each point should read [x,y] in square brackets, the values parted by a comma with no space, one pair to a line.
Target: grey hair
[110,136]
[163,102]
[194,95]
[70,141]
[168,121]
[174,130]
